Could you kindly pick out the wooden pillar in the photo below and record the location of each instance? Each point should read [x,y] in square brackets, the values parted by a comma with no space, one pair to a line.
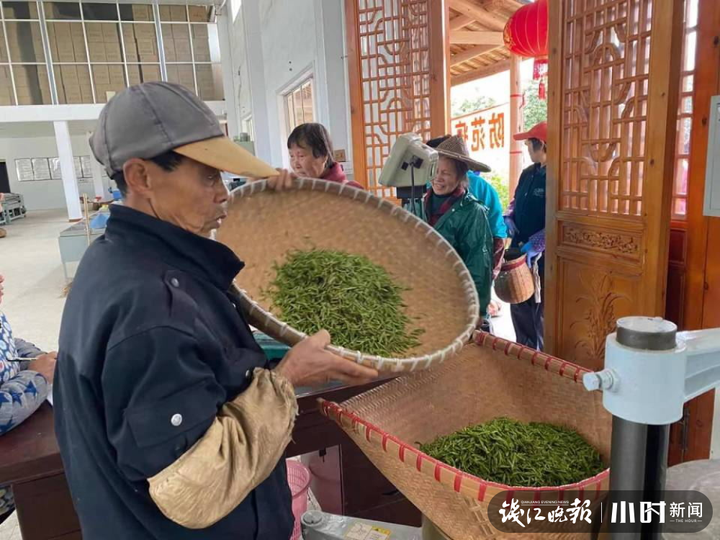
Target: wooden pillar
[516,122]
[439,68]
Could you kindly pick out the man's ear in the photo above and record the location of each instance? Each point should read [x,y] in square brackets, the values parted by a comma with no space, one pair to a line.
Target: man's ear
[137,178]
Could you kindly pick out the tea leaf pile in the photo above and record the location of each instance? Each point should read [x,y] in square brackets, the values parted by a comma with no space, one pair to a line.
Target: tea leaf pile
[518,454]
[349,296]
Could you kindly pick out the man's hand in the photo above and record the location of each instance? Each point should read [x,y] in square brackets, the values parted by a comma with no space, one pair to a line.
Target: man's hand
[309,364]
[283,181]
[45,365]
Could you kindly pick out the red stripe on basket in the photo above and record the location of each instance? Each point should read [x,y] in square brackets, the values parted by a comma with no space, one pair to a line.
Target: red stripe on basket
[537,496]
[458,482]
[438,471]
[418,462]
[575,375]
[581,492]
[509,497]
[334,409]
[367,433]
[494,343]
[507,347]
[547,363]
[384,442]
[562,368]
[534,356]
[561,495]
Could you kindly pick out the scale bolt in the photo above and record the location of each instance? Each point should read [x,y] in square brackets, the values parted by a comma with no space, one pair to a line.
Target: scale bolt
[599,380]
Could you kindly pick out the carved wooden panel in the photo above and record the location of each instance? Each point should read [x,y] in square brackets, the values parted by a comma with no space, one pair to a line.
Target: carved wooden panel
[612,114]
[390,79]
[600,298]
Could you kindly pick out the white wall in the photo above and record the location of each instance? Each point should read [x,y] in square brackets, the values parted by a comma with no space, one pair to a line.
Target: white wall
[41,195]
[278,42]
[241,75]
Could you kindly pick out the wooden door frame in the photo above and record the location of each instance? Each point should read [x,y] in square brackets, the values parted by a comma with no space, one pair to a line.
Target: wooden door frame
[697,430]
[662,99]
[357,115]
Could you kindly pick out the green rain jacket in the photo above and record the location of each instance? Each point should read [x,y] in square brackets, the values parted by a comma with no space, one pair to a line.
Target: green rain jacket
[465,226]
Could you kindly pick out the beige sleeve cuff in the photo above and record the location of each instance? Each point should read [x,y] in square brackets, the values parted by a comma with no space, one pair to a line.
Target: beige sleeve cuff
[237,453]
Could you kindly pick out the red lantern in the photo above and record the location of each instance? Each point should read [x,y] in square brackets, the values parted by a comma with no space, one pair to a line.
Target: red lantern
[526,34]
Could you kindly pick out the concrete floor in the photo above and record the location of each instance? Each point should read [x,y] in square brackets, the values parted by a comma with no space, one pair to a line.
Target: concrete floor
[34,282]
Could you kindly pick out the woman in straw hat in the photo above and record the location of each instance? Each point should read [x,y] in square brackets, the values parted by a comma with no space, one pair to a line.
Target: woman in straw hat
[459,217]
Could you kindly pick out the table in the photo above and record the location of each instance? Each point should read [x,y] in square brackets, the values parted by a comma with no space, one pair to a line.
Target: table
[32,465]
[12,208]
[73,242]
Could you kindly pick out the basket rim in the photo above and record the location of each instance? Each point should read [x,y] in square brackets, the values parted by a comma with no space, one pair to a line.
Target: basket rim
[285,331]
[460,481]
[539,359]
[513,264]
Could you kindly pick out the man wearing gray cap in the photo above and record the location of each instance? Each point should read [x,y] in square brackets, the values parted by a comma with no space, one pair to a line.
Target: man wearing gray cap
[169,421]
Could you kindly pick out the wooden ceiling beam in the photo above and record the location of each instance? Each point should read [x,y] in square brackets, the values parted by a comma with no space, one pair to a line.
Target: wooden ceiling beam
[469,54]
[460,22]
[487,71]
[459,37]
[479,13]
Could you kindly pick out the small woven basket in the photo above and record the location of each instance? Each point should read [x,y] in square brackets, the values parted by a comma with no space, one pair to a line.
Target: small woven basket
[515,283]
[489,379]
[264,226]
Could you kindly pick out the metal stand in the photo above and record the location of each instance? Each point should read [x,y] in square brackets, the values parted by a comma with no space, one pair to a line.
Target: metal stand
[651,371]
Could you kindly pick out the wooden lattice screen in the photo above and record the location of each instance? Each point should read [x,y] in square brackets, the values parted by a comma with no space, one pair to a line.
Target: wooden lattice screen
[613,112]
[394,85]
[605,90]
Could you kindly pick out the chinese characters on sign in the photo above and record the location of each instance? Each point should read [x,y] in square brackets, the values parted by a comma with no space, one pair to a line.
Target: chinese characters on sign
[486,136]
[477,136]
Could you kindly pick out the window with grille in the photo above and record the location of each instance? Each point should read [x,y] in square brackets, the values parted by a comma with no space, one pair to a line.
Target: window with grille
[97,49]
[299,108]
[38,169]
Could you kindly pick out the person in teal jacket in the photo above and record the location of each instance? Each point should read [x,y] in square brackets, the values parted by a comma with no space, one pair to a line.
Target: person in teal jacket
[459,217]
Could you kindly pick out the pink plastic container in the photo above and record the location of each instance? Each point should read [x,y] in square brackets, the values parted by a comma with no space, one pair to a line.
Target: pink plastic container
[299,481]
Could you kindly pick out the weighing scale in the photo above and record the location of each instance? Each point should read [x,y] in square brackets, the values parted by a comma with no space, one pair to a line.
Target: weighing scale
[409,168]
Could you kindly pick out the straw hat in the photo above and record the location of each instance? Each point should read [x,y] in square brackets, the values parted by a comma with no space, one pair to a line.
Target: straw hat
[454,147]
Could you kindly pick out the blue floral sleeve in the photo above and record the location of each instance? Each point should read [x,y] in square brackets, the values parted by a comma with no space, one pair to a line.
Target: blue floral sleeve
[21,392]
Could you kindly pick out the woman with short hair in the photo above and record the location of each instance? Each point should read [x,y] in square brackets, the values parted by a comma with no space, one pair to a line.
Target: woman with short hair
[311,155]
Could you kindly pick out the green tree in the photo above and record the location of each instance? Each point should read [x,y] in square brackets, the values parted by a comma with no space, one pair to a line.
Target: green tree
[501,185]
[459,108]
[535,110]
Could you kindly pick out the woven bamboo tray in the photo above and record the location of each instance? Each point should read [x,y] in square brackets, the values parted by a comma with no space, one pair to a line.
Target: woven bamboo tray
[263,226]
[489,379]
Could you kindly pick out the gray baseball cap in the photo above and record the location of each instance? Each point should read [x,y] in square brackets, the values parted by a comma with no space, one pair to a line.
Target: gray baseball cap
[150,119]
